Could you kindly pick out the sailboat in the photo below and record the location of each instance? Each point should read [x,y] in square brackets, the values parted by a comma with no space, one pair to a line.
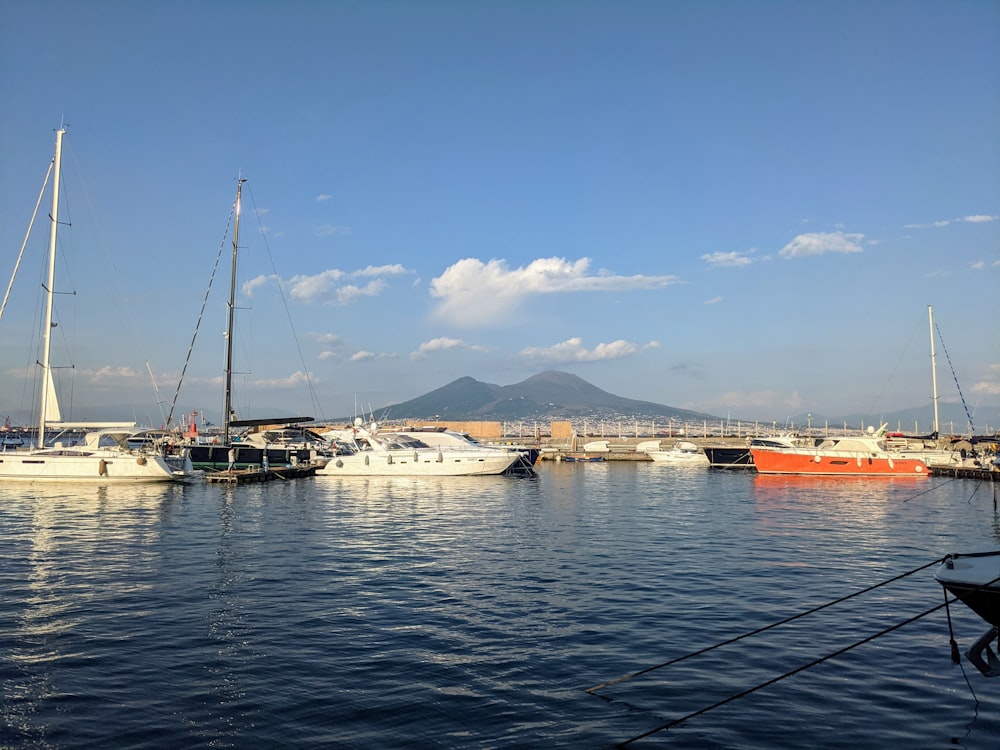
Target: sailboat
[267,441]
[104,454]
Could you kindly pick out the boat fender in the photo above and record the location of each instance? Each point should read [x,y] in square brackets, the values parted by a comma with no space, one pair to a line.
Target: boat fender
[366,460]
[416,457]
[102,468]
[817,459]
[141,460]
[340,463]
[891,464]
[440,458]
[859,461]
[390,458]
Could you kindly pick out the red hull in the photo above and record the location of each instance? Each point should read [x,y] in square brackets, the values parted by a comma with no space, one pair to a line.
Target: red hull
[836,463]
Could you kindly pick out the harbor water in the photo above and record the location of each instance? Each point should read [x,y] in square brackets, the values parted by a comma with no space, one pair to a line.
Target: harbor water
[476,612]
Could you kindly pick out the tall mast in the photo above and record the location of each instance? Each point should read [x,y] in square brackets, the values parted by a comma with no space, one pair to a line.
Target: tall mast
[49,289]
[930,315]
[227,410]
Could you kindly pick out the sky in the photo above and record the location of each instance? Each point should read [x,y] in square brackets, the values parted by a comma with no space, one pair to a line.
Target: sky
[738,208]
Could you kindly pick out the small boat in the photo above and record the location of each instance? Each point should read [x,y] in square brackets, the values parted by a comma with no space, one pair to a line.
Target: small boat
[684,453]
[10,440]
[975,579]
[728,457]
[861,455]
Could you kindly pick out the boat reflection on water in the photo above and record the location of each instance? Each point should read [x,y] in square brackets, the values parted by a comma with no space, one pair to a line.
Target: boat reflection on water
[804,499]
[827,487]
[464,490]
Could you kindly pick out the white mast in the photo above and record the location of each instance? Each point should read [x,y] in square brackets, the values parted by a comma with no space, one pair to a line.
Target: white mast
[49,288]
[930,315]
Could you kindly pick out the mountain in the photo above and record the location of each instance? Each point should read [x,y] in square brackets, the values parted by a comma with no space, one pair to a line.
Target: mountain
[546,396]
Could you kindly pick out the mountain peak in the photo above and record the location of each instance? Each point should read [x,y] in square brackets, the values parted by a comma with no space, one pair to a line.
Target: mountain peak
[546,396]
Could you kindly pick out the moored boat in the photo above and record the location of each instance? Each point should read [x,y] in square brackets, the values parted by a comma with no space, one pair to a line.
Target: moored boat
[974,578]
[365,450]
[684,453]
[104,454]
[728,457]
[861,455]
[441,437]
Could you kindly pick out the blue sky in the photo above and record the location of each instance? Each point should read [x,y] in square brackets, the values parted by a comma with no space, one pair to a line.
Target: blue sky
[741,208]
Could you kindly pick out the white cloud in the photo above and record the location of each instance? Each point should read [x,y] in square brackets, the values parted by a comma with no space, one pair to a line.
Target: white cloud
[362,356]
[713,301]
[251,286]
[323,286]
[391,270]
[444,343]
[322,197]
[308,288]
[296,380]
[572,350]
[820,243]
[350,292]
[474,293]
[108,373]
[731,259]
[972,219]
[990,384]
[328,230]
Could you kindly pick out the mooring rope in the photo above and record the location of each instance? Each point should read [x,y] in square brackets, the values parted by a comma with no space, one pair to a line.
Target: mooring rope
[955,657]
[787,620]
[773,680]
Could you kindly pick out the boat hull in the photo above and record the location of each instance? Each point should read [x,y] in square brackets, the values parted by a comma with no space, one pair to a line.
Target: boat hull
[216,457]
[418,463]
[677,458]
[975,579]
[65,466]
[728,458]
[843,463]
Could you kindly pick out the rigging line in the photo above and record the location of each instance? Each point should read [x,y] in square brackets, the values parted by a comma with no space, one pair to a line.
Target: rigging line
[795,671]
[201,313]
[288,314]
[787,620]
[892,375]
[972,430]
[27,234]
[936,487]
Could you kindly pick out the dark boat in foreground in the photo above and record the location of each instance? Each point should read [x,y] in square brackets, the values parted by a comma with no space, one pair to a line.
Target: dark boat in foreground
[975,579]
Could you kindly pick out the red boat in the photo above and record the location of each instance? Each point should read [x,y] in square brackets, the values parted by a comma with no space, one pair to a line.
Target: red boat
[864,455]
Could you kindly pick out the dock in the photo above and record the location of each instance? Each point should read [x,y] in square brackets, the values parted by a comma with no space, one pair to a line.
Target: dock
[255,475]
[965,472]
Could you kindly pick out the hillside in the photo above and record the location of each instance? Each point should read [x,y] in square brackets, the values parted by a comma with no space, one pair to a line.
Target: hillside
[546,396]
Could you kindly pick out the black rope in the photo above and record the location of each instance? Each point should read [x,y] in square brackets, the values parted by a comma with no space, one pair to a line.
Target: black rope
[972,430]
[956,657]
[787,620]
[201,314]
[772,681]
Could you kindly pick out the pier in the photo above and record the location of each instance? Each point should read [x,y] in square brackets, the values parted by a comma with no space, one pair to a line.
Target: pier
[965,472]
[255,475]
